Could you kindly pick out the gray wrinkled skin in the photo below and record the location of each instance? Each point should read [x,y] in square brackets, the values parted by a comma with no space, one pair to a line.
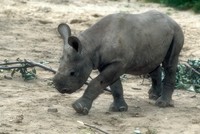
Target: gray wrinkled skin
[120,44]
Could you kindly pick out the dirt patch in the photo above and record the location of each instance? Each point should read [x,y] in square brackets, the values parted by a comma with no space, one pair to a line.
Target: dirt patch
[28,31]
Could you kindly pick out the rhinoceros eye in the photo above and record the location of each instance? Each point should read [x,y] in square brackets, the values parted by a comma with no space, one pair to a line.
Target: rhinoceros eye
[72,73]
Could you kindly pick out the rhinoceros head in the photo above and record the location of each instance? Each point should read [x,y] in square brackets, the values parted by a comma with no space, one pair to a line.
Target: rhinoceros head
[75,67]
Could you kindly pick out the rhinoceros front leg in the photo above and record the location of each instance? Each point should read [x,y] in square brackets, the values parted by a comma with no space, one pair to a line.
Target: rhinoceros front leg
[119,103]
[107,76]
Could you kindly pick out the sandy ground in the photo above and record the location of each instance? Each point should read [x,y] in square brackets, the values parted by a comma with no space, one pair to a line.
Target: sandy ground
[28,31]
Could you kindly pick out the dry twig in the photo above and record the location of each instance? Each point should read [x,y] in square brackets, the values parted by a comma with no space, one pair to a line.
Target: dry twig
[94,127]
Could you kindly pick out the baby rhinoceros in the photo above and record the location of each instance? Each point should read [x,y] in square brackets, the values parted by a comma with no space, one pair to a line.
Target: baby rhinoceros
[120,44]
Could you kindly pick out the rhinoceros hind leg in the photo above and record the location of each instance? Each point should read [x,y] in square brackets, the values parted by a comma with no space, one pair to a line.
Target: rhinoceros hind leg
[119,103]
[156,88]
[165,100]
[170,65]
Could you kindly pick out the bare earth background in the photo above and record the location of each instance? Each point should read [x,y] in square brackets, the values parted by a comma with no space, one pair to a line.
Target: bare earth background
[28,31]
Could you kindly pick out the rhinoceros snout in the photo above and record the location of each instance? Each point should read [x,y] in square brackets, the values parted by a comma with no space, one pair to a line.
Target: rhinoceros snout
[61,86]
[62,89]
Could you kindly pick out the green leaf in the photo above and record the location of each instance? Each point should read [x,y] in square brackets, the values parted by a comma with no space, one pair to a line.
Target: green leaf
[13,72]
[34,70]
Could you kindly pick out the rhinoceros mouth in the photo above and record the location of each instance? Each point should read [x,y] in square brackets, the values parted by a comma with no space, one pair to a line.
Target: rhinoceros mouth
[65,90]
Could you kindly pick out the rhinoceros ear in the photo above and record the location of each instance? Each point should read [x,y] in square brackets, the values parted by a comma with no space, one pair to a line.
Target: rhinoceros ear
[75,43]
[64,31]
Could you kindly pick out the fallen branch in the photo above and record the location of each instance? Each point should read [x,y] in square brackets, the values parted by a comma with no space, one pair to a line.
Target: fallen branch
[94,127]
[24,64]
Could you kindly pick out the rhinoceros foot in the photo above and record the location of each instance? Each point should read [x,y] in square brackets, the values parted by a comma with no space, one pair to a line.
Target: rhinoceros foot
[119,106]
[82,106]
[153,95]
[164,102]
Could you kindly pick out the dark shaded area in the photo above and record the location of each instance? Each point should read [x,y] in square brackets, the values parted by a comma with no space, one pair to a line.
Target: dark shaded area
[180,4]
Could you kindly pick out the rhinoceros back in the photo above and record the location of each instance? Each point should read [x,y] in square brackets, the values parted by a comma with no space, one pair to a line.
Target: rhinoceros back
[139,41]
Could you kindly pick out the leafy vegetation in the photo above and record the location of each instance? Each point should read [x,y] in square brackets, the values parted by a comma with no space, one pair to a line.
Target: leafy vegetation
[180,4]
[188,76]
[22,68]
[27,74]
[25,67]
